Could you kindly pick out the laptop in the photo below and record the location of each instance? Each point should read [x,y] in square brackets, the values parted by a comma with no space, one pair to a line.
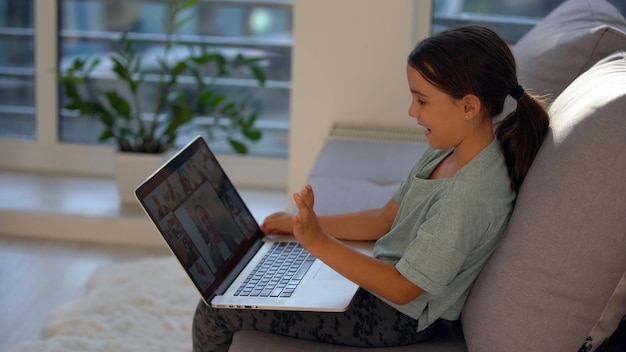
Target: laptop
[212,233]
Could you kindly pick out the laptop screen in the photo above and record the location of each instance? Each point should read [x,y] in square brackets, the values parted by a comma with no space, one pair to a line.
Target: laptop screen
[200,214]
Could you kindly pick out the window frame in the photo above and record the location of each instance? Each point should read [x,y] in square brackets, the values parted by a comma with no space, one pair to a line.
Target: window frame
[46,153]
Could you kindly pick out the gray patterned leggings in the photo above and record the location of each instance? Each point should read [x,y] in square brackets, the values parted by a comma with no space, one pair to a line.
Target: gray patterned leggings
[369,322]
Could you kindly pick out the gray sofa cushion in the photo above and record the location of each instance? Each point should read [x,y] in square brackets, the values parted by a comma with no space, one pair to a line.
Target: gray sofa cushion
[547,284]
[568,41]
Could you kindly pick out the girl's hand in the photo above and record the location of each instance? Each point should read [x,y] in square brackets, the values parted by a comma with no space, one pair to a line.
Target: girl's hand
[306,226]
[278,223]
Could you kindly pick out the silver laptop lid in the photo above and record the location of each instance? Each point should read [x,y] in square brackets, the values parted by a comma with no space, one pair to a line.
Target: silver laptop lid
[201,216]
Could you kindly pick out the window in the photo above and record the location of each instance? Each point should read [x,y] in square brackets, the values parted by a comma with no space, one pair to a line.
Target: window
[36,136]
[254,28]
[510,18]
[17,87]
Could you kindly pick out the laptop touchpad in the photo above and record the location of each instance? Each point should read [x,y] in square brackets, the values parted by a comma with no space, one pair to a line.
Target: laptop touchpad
[326,273]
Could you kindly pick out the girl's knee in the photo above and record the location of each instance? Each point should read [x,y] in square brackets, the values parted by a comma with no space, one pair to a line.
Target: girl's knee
[213,329]
[203,330]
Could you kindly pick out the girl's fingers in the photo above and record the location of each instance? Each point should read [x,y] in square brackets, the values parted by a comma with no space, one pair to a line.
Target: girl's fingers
[274,215]
[298,199]
[307,196]
[310,195]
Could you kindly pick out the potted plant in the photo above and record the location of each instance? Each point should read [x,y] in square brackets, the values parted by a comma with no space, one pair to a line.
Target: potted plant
[139,129]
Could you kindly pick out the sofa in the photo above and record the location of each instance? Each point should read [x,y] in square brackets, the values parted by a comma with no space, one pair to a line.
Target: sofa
[557,281]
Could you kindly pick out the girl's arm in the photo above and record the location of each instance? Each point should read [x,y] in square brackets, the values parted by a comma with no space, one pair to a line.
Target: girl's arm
[370,224]
[372,274]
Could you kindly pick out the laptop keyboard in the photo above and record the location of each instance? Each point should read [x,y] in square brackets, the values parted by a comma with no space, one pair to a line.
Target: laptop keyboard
[279,272]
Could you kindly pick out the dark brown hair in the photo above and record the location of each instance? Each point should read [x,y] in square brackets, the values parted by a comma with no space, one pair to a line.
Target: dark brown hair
[473,59]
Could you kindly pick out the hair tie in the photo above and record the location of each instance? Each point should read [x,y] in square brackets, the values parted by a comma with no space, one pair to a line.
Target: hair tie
[517,92]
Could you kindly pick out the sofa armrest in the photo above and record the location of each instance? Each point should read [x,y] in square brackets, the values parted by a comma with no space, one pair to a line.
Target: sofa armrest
[355,174]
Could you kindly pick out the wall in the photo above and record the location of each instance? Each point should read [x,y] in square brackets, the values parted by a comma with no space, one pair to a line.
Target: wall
[349,60]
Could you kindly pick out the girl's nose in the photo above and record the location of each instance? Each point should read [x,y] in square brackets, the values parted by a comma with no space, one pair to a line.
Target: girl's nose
[414,110]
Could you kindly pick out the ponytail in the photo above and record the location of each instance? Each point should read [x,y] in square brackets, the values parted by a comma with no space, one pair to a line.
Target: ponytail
[521,133]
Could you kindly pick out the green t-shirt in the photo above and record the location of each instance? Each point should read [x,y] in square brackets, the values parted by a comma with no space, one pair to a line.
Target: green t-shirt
[446,229]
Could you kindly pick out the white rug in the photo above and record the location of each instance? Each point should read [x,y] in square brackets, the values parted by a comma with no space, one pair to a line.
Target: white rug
[145,305]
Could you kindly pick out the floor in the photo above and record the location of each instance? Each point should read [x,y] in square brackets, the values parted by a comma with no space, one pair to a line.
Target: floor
[37,275]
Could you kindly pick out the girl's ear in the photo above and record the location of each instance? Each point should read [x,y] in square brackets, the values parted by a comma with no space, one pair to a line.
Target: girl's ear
[471,105]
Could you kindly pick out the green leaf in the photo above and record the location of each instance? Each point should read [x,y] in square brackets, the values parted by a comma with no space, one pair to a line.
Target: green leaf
[94,63]
[198,77]
[258,74]
[180,23]
[74,105]
[188,4]
[229,109]
[119,104]
[179,68]
[202,101]
[252,134]
[205,97]
[120,69]
[106,134]
[248,130]
[238,146]
[93,108]
[77,64]
[239,60]
[250,120]
[71,90]
[217,100]
[182,117]
[106,118]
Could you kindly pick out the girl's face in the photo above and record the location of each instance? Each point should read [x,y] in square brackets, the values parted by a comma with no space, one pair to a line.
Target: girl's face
[441,115]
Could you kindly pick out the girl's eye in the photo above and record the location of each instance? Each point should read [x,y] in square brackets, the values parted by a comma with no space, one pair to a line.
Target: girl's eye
[421,102]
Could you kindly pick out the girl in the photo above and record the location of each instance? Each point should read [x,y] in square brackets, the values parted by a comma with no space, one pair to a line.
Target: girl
[438,229]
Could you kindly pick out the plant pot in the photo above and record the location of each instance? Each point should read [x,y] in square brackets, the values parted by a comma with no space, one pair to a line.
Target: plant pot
[131,169]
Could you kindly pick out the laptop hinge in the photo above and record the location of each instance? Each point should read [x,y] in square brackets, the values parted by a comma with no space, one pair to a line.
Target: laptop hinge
[238,268]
